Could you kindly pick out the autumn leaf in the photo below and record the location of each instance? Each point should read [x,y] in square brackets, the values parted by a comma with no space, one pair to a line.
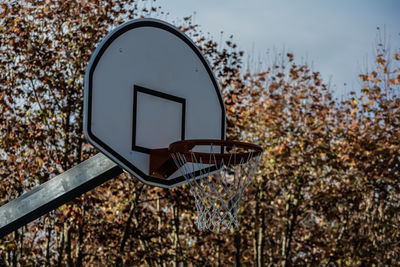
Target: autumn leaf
[40,162]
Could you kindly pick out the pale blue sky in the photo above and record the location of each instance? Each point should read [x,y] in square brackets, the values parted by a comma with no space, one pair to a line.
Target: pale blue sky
[336,36]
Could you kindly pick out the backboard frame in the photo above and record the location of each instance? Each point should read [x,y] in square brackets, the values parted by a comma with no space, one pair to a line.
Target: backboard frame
[139,89]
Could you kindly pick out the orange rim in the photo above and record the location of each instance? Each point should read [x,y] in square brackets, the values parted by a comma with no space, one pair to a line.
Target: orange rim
[185,147]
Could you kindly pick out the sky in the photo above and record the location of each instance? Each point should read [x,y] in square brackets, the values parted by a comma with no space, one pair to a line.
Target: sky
[336,37]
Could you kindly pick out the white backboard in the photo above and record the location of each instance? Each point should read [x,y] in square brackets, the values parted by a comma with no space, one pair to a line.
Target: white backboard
[146,86]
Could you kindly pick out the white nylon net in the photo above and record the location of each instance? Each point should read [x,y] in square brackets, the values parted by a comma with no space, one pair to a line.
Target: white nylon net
[217,186]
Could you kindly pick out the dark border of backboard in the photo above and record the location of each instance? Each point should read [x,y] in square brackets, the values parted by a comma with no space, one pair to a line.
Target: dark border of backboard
[88,129]
[140,89]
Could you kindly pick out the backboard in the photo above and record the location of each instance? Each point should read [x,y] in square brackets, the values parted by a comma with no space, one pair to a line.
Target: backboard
[147,85]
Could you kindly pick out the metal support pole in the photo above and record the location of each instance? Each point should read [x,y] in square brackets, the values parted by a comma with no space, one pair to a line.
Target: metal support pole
[56,192]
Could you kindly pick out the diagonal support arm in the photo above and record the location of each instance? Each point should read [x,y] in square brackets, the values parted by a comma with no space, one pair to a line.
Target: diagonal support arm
[56,192]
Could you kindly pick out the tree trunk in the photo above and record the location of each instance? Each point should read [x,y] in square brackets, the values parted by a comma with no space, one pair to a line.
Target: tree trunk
[67,145]
[175,214]
[81,138]
[79,242]
[21,243]
[260,248]
[8,258]
[48,242]
[161,262]
[218,251]
[142,242]
[236,241]
[67,245]
[291,215]
[259,228]
[15,252]
[127,229]
[60,249]
[256,228]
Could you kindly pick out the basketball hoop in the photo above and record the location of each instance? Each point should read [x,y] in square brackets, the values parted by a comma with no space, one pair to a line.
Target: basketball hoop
[218,174]
[133,116]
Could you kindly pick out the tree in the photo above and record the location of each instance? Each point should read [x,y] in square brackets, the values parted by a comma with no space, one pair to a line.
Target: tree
[327,190]
[291,113]
[326,193]
[371,151]
[45,47]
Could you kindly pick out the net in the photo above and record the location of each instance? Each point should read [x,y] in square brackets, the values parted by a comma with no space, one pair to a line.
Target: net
[217,184]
